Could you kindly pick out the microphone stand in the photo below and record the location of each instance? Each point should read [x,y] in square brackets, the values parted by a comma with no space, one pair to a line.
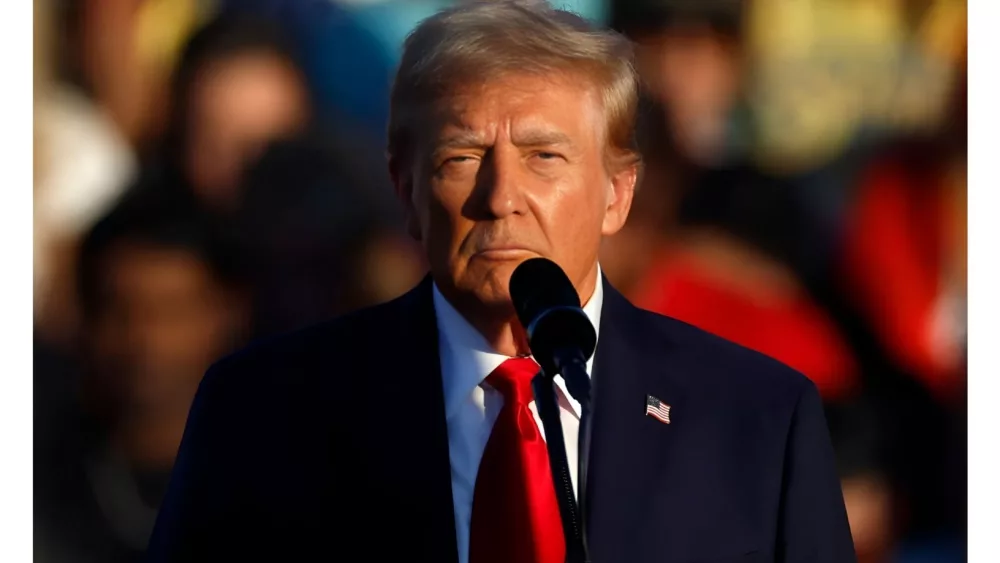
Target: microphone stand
[578,383]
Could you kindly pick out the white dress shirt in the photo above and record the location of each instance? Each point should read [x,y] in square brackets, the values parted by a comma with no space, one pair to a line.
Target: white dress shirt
[471,406]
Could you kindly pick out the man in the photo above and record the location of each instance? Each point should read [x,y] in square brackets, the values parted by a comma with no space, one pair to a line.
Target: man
[407,431]
[161,297]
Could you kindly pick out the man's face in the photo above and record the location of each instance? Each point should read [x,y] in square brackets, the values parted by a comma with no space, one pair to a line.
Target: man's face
[510,170]
[165,319]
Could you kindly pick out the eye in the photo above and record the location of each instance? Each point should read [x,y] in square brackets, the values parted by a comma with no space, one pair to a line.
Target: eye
[452,161]
[547,158]
[457,166]
[457,160]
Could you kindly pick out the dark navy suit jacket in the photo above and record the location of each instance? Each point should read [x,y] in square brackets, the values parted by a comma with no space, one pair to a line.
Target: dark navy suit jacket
[330,444]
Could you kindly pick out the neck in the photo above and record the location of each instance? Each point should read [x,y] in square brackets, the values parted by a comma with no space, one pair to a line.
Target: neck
[499,324]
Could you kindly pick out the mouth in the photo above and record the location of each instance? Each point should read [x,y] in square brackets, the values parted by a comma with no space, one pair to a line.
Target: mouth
[504,253]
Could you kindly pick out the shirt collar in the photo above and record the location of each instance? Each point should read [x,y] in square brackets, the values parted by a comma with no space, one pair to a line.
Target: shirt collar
[467,358]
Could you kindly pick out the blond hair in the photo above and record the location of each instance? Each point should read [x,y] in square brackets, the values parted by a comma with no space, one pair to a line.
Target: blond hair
[478,41]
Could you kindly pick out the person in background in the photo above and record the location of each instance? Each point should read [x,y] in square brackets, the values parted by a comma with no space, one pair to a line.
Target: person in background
[344,53]
[162,298]
[902,266]
[121,53]
[238,87]
[351,48]
[690,55]
[322,241]
[82,162]
[718,257]
[904,254]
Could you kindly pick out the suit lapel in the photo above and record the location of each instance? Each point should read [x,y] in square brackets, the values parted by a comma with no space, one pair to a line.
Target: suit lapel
[627,449]
[418,434]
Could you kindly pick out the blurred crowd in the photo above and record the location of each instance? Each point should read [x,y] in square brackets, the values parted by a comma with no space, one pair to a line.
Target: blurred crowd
[208,173]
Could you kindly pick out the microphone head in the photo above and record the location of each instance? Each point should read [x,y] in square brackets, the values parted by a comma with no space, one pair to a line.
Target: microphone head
[548,307]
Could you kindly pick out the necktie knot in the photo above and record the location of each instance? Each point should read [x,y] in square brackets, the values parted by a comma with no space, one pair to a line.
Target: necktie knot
[513,380]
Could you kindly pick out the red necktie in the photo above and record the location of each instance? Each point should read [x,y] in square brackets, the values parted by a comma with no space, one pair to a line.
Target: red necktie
[515,514]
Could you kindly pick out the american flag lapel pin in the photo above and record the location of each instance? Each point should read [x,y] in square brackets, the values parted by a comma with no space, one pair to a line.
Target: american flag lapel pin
[657,409]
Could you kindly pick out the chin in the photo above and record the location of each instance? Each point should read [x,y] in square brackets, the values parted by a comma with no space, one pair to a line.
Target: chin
[492,299]
[489,287]
[496,282]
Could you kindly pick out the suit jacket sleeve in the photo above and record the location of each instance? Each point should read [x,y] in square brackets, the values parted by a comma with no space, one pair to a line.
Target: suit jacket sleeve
[200,513]
[814,525]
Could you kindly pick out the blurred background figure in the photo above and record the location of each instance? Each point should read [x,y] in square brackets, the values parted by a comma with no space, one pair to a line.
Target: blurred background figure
[798,202]
[691,60]
[323,239]
[237,87]
[212,172]
[161,298]
[83,161]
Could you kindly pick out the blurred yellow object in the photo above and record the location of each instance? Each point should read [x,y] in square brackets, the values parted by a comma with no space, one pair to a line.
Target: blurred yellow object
[823,68]
[942,33]
[162,27]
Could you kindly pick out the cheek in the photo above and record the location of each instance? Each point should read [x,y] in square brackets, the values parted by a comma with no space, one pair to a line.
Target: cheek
[573,216]
[441,221]
[585,201]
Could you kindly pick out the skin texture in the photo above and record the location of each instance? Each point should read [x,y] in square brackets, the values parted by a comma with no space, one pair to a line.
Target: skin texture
[508,170]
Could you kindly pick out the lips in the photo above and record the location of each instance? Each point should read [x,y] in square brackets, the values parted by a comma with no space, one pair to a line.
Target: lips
[502,247]
[504,252]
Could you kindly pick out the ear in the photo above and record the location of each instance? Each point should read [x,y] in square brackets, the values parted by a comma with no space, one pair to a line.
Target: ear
[621,188]
[401,175]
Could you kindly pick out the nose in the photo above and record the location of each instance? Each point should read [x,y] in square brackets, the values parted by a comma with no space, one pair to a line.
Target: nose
[499,184]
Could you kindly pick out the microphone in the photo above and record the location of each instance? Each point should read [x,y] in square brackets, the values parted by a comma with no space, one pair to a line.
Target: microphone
[560,334]
[561,339]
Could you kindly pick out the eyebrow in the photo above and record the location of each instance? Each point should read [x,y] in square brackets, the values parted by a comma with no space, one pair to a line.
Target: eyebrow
[465,139]
[541,138]
[468,139]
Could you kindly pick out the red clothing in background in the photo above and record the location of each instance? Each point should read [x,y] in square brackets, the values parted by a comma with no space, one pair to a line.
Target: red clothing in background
[893,267]
[789,328]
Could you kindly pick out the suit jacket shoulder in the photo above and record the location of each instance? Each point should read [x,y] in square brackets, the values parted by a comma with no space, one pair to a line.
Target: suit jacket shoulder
[290,434]
[304,356]
[743,471]
[707,365]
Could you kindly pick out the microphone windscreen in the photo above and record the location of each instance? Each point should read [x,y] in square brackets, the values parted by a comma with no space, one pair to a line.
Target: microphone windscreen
[548,307]
[538,284]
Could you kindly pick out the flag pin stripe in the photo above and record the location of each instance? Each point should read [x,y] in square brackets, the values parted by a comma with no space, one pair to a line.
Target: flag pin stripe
[657,409]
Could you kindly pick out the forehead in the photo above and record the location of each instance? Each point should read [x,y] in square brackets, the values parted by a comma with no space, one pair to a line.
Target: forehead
[522,106]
